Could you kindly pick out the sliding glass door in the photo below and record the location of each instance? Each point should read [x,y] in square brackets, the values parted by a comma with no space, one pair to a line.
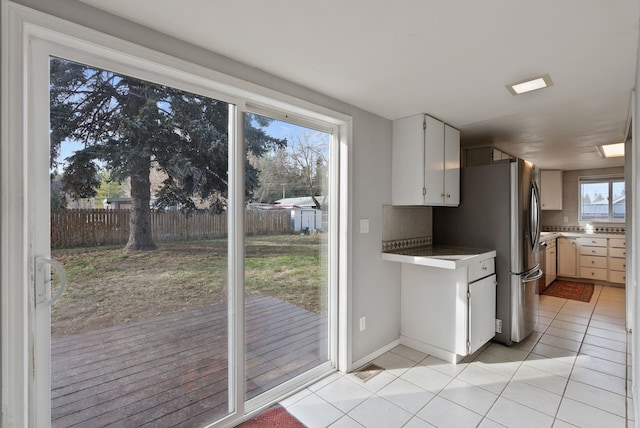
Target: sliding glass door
[287,271]
[180,249]
[137,207]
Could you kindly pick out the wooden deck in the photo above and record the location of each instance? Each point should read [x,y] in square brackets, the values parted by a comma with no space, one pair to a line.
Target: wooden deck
[172,370]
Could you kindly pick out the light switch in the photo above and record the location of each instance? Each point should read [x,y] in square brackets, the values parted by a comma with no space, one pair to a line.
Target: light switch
[364,225]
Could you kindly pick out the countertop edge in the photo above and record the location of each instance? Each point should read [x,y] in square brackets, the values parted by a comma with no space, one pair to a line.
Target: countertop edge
[438,262]
[555,235]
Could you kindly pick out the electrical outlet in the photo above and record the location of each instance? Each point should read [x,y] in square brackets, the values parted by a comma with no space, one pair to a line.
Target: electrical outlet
[363,323]
[566,219]
[498,326]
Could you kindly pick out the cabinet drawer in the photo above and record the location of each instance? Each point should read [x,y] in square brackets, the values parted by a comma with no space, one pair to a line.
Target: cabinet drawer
[593,242]
[593,273]
[481,269]
[596,262]
[617,276]
[617,243]
[617,264]
[593,251]
[618,252]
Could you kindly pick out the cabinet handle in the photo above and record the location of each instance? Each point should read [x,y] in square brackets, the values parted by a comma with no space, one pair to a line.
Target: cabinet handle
[592,262]
[593,242]
[484,267]
[593,251]
[442,195]
[448,195]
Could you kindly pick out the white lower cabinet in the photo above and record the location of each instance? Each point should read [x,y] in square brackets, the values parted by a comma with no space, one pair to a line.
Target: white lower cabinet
[599,258]
[550,262]
[448,313]
[593,258]
[567,257]
[617,260]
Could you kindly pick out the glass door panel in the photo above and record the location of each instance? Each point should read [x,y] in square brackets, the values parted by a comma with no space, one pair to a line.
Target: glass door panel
[139,222]
[286,254]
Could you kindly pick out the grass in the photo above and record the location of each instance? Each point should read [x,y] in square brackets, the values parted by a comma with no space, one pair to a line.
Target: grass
[107,286]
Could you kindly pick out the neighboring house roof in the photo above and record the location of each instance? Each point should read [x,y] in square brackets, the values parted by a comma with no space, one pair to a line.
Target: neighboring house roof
[301,202]
[618,200]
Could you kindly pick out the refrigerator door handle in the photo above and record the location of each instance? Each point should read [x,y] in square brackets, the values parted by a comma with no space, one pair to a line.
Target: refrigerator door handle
[535,225]
[533,275]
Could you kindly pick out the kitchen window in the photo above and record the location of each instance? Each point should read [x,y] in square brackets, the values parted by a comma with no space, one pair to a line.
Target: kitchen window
[602,199]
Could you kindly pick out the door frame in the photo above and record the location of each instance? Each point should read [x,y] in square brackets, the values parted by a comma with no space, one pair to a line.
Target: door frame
[24,29]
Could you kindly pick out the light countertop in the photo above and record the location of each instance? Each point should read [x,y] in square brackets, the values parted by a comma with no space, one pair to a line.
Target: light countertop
[553,235]
[444,257]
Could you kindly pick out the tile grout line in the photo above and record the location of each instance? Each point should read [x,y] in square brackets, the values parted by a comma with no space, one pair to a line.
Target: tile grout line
[574,365]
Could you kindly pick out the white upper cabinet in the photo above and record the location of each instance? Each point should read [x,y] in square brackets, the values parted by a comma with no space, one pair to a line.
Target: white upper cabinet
[551,190]
[425,162]
[451,166]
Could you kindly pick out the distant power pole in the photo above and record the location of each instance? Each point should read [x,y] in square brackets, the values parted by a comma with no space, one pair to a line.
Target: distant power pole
[283,186]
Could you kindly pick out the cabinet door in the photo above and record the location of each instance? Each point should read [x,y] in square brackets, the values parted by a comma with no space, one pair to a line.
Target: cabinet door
[567,257]
[550,266]
[407,161]
[434,162]
[551,190]
[451,166]
[482,312]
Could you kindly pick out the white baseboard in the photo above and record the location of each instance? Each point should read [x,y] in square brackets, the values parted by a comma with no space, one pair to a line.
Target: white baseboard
[450,357]
[372,356]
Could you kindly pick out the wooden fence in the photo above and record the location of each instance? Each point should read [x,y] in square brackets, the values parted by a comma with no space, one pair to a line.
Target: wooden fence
[85,228]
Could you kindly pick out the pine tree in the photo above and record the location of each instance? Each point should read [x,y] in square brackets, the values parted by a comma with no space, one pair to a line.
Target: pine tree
[129,126]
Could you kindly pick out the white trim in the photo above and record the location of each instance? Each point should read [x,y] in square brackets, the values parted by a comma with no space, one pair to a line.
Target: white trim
[235,270]
[37,219]
[13,242]
[345,292]
[632,282]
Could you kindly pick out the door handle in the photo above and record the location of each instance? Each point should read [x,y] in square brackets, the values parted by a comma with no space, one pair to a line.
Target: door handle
[533,275]
[41,281]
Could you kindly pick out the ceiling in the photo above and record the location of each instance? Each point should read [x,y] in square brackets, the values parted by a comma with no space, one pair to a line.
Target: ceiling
[452,61]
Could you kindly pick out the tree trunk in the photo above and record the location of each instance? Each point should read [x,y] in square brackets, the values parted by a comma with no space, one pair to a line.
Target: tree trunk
[140,237]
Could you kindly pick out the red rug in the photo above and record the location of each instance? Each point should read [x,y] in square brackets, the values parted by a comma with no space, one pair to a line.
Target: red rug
[570,290]
[275,417]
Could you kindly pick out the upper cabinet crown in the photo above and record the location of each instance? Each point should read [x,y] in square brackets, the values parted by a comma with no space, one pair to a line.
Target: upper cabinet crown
[425,163]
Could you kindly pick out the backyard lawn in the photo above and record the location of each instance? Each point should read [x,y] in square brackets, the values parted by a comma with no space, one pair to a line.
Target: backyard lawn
[107,286]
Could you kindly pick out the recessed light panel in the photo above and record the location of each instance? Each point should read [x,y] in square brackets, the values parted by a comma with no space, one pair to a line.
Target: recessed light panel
[612,150]
[533,84]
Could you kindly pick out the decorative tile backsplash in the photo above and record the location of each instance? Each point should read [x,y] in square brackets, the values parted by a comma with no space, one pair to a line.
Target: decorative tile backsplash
[581,229]
[401,244]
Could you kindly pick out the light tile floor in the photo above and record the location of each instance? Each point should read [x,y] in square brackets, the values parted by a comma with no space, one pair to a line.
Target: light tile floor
[572,371]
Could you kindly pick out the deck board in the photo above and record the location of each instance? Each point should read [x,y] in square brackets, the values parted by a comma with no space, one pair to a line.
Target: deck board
[172,370]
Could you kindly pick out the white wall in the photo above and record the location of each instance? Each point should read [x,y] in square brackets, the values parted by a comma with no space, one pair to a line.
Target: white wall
[374,284]
[634,306]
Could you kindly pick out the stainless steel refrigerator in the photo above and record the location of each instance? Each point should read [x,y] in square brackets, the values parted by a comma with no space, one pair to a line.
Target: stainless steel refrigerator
[500,209]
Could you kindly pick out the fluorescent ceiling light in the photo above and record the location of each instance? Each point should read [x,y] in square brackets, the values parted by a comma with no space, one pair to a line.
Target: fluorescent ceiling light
[533,84]
[612,150]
